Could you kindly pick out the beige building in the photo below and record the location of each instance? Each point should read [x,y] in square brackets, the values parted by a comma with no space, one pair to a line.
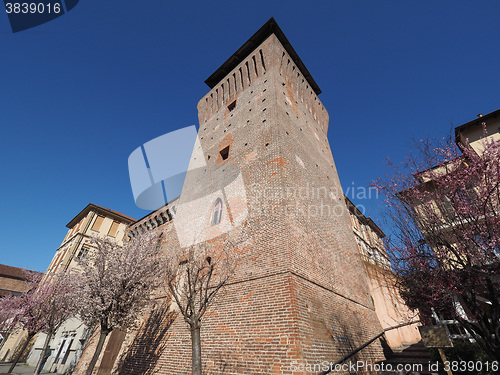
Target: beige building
[473,131]
[389,307]
[444,222]
[469,135]
[68,341]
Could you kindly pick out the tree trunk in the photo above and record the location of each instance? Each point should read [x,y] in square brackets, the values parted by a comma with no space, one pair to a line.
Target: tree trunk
[98,350]
[196,349]
[41,360]
[30,336]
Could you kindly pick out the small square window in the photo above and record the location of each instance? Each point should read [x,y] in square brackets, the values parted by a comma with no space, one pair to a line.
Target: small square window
[224,153]
[231,106]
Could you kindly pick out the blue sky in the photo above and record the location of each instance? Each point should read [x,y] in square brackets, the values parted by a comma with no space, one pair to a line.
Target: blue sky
[80,93]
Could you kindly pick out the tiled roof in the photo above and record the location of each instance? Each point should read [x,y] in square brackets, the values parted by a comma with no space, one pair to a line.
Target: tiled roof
[12,272]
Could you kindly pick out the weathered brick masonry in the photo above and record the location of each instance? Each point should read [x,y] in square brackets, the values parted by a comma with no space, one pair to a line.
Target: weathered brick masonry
[300,294]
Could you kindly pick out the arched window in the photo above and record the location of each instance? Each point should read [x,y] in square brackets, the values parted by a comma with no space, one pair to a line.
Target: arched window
[217,212]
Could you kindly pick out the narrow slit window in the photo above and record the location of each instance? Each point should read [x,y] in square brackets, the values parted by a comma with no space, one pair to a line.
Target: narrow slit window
[262,59]
[184,259]
[255,65]
[231,106]
[217,212]
[241,77]
[224,153]
[248,73]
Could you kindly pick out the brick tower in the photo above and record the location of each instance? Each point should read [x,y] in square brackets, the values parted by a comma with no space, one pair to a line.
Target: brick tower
[300,296]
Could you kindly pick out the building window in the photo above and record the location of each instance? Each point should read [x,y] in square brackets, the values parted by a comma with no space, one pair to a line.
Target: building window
[67,350]
[98,222]
[217,212]
[113,229]
[83,252]
[446,207]
[224,153]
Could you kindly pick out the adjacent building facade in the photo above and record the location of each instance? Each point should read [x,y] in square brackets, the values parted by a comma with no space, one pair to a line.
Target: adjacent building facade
[389,307]
[455,206]
[472,132]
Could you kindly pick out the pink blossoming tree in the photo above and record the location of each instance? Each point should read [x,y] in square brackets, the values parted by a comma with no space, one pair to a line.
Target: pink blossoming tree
[116,284]
[443,205]
[47,303]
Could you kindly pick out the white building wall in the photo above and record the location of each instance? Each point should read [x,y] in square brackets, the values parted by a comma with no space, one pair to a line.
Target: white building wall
[65,346]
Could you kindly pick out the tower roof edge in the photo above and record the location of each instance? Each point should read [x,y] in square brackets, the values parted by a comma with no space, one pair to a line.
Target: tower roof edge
[269,28]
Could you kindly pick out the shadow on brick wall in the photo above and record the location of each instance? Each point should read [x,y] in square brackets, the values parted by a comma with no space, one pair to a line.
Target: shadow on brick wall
[349,333]
[149,343]
[346,336]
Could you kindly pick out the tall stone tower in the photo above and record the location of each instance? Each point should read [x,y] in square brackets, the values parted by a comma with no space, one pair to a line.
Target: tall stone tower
[300,296]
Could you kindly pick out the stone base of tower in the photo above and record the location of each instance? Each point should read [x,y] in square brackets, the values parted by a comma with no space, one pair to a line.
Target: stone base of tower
[277,324]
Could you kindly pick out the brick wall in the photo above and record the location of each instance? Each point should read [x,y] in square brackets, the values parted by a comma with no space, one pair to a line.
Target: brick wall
[261,326]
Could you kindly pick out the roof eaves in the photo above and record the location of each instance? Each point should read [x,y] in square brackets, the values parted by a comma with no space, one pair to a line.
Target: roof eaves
[106,211]
[269,28]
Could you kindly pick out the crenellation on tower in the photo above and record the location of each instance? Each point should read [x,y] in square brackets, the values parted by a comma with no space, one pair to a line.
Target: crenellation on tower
[299,92]
[269,55]
[226,91]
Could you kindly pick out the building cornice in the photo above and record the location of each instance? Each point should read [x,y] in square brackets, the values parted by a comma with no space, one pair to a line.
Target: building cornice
[474,123]
[101,210]
[365,220]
